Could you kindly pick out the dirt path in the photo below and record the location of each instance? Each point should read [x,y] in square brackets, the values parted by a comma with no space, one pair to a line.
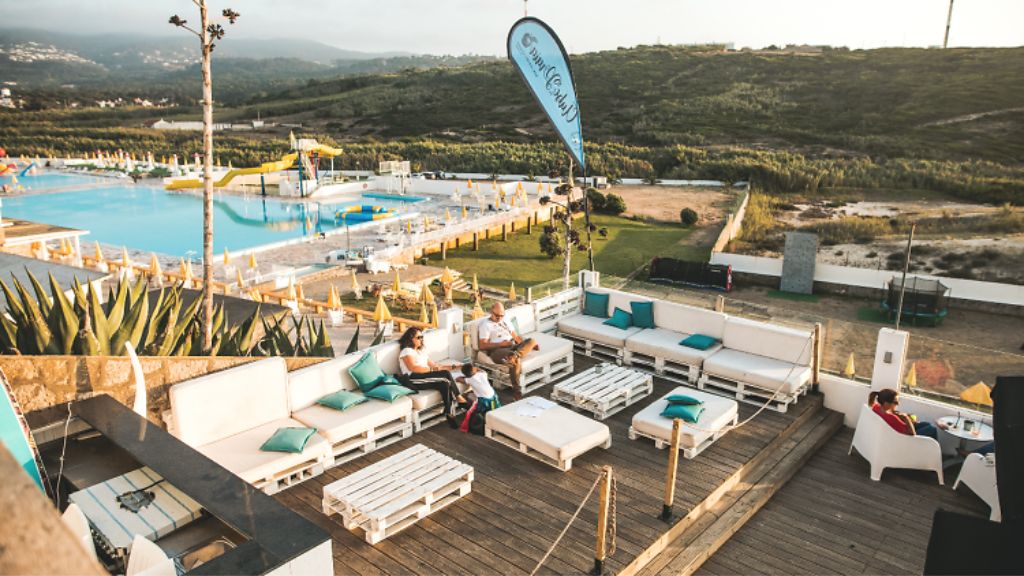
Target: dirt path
[969,117]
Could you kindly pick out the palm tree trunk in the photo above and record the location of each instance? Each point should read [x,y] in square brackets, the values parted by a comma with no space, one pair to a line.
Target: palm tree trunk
[207,326]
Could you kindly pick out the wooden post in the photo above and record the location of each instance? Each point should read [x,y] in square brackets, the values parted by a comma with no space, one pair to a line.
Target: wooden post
[720,304]
[673,462]
[816,366]
[602,520]
[476,241]
[504,232]
[457,241]
[487,234]
[512,225]
[529,294]
[529,225]
[444,250]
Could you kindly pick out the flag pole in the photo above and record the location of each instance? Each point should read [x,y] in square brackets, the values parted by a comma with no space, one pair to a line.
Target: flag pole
[586,218]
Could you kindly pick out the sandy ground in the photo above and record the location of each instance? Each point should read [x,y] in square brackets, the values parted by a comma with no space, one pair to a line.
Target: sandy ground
[664,203]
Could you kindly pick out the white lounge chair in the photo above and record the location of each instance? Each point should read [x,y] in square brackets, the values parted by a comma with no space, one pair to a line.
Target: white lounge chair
[884,447]
[980,476]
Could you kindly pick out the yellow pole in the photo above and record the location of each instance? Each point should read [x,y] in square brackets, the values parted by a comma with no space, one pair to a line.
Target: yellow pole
[602,520]
[673,463]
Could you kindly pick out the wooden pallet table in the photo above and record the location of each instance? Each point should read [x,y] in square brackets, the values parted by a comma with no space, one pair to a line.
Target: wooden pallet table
[604,389]
[383,499]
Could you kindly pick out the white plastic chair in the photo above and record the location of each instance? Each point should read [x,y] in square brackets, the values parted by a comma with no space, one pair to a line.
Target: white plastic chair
[980,476]
[75,520]
[884,447]
[147,559]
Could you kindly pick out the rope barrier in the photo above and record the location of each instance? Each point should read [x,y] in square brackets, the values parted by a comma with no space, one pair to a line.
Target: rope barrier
[566,529]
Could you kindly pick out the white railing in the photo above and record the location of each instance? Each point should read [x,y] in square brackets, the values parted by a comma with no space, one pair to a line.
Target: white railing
[550,309]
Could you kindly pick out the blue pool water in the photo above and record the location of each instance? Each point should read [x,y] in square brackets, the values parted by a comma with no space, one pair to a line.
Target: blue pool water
[168,223]
[49,180]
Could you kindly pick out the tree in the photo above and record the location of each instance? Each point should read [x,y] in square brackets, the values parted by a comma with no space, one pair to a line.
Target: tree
[208,32]
[688,216]
[614,204]
[574,241]
[597,199]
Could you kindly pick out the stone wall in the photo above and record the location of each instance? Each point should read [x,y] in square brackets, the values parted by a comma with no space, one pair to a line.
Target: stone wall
[41,382]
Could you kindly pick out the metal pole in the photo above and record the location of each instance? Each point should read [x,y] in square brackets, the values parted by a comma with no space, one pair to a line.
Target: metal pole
[263,185]
[817,358]
[602,521]
[670,481]
[949,20]
[906,265]
[586,219]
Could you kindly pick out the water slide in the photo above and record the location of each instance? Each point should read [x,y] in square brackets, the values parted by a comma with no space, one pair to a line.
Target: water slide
[25,171]
[6,169]
[284,163]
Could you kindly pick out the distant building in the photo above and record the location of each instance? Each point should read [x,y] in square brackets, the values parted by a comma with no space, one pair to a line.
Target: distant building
[802,49]
[5,98]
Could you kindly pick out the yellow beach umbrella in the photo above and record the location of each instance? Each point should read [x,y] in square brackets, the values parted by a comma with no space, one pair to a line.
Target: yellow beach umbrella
[124,256]
[355,284]
[456,189]
[512,291]
[426,296]
[241,283]
[99,255]
[291,289]
[408,225]
[252,260]
[911,379]
[849,371]
[447,214]
[433,320]
[470,183]
[163,159]
[255,295]
[512,202]
[423,314]
[298,291]
[227,259]
[478,312]
[188,270]
[14,179]
[549,187]
[447,277]
[381,312]
[978,394]
[229,165]
[476,287]
[182,269]
[396,285]
[481,204]
[333,300]
[426,222]
[463,210]
[154,265]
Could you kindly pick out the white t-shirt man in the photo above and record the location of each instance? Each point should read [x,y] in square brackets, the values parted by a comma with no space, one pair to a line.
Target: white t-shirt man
[495,332]
[419,358]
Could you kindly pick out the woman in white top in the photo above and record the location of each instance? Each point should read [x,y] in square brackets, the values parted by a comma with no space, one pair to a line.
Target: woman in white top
[425,374]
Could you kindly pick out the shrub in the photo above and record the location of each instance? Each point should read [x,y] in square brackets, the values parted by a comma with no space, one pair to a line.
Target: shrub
[551,244]
[854,228]
[688,216]
[784,206]
[872,255]
[614,204]
[758,221]
[597,199]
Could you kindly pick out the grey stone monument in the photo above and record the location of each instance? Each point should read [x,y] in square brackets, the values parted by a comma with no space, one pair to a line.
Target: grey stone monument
[798,262]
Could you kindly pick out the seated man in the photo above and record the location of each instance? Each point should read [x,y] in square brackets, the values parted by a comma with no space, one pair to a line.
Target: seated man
[499,341]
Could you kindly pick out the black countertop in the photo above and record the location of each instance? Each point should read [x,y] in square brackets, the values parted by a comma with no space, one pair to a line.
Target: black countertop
[276,534]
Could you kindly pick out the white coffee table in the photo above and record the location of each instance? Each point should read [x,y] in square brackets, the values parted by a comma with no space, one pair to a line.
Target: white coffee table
[955,427]
[604,389]
[554,435]
[396,492]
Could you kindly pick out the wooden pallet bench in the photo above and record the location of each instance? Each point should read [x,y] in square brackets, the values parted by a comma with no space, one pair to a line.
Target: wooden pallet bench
[391,495]
[604,389]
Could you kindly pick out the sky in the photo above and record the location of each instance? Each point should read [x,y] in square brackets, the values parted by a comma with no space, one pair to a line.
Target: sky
[481,26]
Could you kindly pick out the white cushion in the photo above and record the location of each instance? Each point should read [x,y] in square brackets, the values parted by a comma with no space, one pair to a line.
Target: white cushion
[662,343]
[618,299]
[592,328]
[307,385]
[768,340]
[759,371]
[436,343]
[387,356]
[718,413]
[428,398]
[223,404]
[336,425]
[689,320]
[557,433]
[242,456]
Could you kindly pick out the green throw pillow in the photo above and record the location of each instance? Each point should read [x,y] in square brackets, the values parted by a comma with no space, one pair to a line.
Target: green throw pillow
[389,392]
[700,342]
[595,305]
[288,440]
[367,372]
[686,413]
[684,400]
[620,319]
[643,314]
[342,400]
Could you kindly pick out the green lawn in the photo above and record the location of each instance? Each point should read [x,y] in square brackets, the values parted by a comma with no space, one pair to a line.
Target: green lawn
[629,245]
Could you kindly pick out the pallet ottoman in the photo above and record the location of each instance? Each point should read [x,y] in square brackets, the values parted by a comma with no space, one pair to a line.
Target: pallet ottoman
[555,436]
[718,413]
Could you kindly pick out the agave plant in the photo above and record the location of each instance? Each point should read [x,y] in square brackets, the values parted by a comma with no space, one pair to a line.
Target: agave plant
[54,324]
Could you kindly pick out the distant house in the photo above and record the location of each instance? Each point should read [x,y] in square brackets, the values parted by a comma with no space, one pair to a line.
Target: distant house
[156,124]
[802,49]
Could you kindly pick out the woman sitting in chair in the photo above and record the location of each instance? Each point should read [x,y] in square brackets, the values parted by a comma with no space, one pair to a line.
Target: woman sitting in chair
[425,374]
[884,403]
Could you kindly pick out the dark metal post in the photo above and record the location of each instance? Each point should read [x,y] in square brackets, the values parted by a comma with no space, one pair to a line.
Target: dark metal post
[906,265]
[263,185]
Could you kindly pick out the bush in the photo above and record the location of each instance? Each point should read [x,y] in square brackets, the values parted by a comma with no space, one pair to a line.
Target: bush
[614,204]
[597,199]
[688,216]
[551,244]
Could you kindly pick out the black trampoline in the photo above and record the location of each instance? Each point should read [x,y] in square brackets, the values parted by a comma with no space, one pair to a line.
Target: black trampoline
[924,298]
[698,274]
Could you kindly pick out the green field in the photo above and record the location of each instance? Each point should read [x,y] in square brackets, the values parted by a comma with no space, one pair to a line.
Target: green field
[628,246]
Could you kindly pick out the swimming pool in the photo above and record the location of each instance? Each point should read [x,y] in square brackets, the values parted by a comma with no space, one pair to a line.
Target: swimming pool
[50,180]
[170,223]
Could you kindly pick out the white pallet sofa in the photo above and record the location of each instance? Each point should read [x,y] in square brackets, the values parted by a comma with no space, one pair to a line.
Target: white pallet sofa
[760,362]
[228,415]
[592,337]
[540,367]
[659,349]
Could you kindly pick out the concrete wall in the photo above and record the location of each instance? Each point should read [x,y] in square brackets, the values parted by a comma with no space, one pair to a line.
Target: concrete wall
[732,226]
[41,382]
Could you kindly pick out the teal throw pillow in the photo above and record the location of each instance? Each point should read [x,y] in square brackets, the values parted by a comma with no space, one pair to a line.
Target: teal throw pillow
[684,400]
[700,342]
[620,319]
[389,392]
[515,326]
[643,314]
[689,413]
[595,305]
[288,440]
[341,400]
[367,372]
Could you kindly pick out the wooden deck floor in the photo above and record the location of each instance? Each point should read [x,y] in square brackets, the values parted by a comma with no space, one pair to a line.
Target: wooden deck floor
[832,519]
[518,505]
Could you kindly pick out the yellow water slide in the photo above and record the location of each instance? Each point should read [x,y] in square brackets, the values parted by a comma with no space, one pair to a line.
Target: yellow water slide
[284,163]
